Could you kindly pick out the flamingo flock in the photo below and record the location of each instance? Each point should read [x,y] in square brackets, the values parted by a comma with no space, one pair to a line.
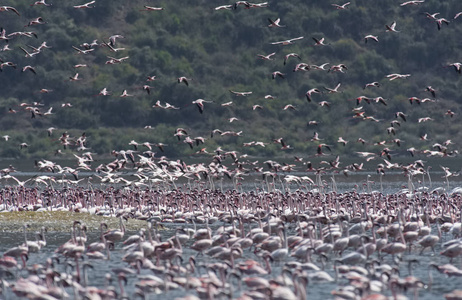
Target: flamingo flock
[239,245]
[290,231]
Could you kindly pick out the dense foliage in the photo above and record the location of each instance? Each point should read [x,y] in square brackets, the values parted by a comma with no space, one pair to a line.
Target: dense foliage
[217,50]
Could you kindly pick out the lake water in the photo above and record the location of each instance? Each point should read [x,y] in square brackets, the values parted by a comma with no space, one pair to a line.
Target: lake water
[316,290]
[364,181]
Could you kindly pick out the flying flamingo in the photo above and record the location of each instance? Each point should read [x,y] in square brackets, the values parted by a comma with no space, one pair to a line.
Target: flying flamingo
[371,84]
[338,68]
[240,93]
[371,37]
[321,67]
[275,23]
[277,74]
[301,67]
[287,42]
[319,149]
[29,54]
[75,77]
[40,2]
[432,16]
[86,5]
[319,42]
[9,8]
[225,7]
[342,141]
[334,90]
[431,90]
[184,79]
[126,94]
[413,2]
[457,67]
[200,104]
[310,92]
[30,68]
[150,8]
[266,57]
[290,55]
[391,28]
[3,36]
[343,6]
[36,21]
[397,76]
[104,92]
[440,21]
[449,113]
[147,88]
[113,39]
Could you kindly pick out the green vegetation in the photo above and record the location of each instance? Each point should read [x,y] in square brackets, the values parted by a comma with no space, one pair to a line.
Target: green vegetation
[218,50]
[60,221]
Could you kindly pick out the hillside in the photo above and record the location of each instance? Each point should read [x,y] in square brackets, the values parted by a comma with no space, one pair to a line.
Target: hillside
[218,52]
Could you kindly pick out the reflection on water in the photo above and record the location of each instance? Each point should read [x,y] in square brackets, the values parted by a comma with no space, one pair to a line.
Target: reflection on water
[363,181]
[98,270]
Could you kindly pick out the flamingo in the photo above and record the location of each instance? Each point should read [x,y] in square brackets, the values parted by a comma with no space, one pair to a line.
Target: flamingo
[334,90]
[397,76]
[343,6]
[289,56]
[9,8]
[30,68]
[151,8]
[184,79]
[36,21]
[310,92]
[342,141]
[241,93]
[29,54]
[321,67]
[338,68]
[413,2]
[114,38]
[266,57]
[319,42]
[104,92]
[289,106]
[40,2]
[200,104]
[431,91]
[115,235]
[3,36]
[86,5]
[112,48]
[75,77]
[125,94]
[225,7]
[392,27]
[277,74]
[113,60]
[301,67]
[457,67]
[287,42]
[371,37]
[452,251]
[440,21]
[20,33]
[275,23]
